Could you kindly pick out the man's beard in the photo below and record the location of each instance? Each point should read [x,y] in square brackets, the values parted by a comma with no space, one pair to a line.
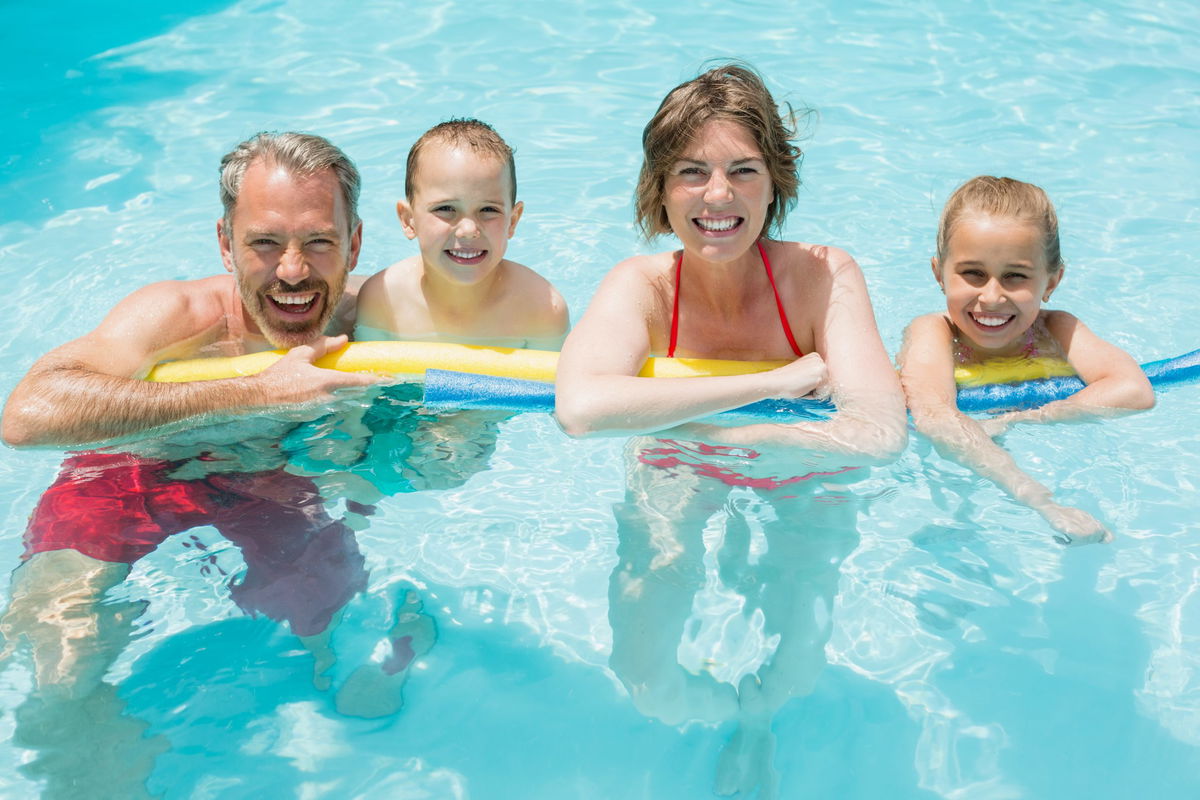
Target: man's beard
[284,333]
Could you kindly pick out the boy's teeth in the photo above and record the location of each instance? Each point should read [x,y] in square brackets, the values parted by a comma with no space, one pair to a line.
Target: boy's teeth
[466,253]
[718,224]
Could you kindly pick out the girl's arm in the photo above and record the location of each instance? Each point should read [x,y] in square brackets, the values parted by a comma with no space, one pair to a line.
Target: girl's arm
[1115,382]
[927,372]
[870,423]
[597,390]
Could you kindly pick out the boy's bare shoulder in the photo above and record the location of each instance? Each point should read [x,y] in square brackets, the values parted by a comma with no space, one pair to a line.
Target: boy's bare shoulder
[541,304]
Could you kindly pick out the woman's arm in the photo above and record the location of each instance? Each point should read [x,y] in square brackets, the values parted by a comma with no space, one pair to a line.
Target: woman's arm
[597,390]
[870,425]
[927,372]
[1115,382]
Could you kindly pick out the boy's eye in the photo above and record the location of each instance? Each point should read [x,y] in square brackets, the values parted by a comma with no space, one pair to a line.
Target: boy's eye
[443,209]
[491,210]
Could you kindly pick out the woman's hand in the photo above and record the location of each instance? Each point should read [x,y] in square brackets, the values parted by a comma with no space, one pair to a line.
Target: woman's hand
[804,376]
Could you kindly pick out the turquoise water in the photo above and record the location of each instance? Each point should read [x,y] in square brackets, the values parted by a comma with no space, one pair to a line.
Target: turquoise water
[936,642]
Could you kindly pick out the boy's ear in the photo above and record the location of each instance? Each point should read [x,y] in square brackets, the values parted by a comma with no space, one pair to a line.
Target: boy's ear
[937,274]
[405,213]
[518,209]
[1052,284]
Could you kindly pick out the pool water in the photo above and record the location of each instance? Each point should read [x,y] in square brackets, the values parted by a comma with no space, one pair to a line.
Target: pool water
[542,617]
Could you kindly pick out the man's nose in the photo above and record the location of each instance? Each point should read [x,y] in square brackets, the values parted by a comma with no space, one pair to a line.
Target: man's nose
[293,267]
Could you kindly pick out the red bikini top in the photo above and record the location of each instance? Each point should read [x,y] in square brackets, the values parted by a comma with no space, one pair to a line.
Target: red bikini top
[787,328]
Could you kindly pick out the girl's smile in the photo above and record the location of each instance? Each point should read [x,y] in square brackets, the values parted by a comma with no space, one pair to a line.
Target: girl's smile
[995,277]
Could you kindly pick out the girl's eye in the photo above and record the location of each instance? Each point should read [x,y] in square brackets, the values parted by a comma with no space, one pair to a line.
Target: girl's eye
[1015,277]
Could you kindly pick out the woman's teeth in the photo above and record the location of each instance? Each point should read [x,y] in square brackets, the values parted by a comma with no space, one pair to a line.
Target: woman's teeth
[718,225]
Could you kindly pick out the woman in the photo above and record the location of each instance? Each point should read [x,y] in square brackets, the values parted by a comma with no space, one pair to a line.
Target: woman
[720,172]
[732,625]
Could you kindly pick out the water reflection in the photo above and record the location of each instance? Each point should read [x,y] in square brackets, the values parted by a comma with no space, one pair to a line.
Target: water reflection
[721,600]
[289,496]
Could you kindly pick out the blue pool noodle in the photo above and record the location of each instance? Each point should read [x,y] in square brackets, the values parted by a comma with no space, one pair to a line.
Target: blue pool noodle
[447,389]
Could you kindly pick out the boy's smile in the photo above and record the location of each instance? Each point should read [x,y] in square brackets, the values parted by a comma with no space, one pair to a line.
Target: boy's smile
[461,213]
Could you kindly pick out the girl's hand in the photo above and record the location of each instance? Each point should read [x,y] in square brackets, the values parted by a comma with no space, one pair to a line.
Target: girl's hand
[1074,525]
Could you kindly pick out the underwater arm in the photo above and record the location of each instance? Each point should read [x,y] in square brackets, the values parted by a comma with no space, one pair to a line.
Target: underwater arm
[926,370]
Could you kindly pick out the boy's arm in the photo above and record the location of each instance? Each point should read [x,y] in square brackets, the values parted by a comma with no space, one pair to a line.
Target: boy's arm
[1115,382]
[87,390]
[927,373]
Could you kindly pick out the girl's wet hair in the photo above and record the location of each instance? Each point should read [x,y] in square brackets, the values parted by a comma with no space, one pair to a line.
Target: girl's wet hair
[479,136]
[730,91]
[1002,197]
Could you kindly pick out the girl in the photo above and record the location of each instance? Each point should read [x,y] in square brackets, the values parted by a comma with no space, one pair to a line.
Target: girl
[997,261]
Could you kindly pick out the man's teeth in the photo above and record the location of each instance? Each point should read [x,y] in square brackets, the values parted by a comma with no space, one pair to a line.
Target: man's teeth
[729,223]
[293,300]
[991,321]
[466,254]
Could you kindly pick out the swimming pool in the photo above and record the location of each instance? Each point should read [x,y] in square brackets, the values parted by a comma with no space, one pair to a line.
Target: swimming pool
[967,655]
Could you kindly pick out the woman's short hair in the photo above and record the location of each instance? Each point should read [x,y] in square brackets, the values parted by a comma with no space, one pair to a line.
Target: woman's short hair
[730,91]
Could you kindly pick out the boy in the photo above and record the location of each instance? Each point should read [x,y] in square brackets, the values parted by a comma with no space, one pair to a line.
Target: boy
[460,205]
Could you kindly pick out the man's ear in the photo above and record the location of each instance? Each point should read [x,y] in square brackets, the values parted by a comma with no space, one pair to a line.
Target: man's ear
[224,240]
[405,213]
[355,247]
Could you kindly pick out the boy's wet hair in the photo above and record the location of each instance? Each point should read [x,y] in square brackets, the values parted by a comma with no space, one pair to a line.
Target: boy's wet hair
[479,136]
[1006,198]
[301,154]
[730,91]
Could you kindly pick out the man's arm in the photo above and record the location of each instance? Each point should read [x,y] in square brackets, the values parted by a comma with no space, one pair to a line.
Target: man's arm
[88,390]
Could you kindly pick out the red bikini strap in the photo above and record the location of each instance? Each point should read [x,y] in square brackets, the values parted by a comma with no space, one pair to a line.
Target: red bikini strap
[787,328]
[675,307]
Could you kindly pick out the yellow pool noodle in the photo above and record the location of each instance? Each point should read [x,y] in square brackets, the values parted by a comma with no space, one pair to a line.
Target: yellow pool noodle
[413,358]
[1011,370]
